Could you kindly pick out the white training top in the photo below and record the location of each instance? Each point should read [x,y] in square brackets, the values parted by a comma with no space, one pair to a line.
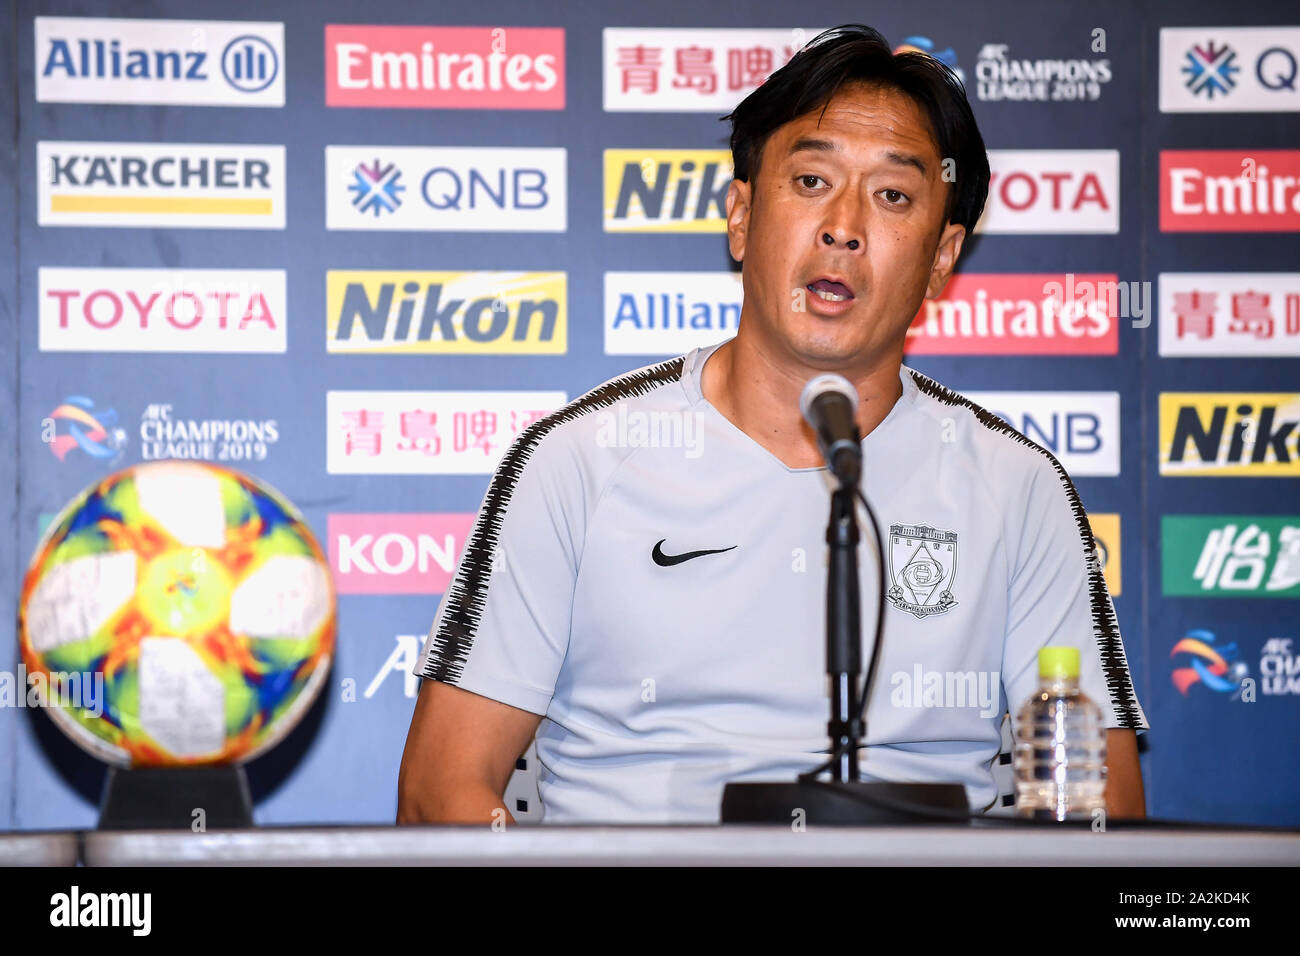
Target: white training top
[653,581]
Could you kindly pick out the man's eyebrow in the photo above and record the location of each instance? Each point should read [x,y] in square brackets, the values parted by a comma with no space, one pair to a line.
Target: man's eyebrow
[906,159]
[812,144]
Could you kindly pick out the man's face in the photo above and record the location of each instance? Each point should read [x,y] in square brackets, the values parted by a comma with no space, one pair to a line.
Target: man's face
[866,173]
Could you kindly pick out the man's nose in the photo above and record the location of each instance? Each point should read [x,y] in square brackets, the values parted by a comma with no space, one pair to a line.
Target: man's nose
[830,240]
[844,225]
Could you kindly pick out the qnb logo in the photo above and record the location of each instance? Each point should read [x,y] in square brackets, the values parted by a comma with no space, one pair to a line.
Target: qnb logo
[1075,433]
[376,188]
[249,63]
[455,188]
[1204,662]
[1229,69]
[1211,69]
[1079,428]
[474,189]
[1276,69]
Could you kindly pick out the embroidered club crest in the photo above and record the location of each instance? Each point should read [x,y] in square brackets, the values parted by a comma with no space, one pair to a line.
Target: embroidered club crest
[922,569]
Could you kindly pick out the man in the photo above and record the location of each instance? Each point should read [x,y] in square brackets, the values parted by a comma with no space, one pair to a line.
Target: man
[663,607]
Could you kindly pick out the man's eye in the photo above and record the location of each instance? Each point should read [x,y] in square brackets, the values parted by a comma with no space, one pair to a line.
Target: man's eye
[894,197]
[810,181]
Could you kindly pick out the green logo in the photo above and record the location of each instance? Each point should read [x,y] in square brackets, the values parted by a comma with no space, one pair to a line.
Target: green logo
[1230,555]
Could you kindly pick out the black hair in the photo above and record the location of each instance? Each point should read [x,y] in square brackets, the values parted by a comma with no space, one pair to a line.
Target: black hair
[855,53]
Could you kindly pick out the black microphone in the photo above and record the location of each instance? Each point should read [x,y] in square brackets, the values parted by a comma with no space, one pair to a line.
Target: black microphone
[830,405]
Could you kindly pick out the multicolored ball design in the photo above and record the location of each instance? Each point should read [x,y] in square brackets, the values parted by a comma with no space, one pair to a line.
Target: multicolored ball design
[196,600]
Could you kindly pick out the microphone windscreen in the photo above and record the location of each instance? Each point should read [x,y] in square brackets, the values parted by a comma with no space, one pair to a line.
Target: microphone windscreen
[819,385]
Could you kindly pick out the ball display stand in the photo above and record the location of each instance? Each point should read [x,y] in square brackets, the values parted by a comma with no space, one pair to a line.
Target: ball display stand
[173,798]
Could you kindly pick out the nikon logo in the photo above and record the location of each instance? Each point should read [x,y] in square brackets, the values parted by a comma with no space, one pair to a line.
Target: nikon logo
[666,190]
[1249,434]
[486,313]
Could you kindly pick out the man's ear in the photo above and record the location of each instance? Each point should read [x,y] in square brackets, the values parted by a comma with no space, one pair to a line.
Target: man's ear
[945,259]
[738,199]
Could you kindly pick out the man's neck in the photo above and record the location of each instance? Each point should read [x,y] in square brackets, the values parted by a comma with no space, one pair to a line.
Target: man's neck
[759,394]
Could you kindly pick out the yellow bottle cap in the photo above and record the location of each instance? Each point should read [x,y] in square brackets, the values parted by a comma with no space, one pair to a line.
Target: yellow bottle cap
[1057,663]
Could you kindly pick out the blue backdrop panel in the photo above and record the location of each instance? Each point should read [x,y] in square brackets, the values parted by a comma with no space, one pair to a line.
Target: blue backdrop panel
[10,558]
[1208,756]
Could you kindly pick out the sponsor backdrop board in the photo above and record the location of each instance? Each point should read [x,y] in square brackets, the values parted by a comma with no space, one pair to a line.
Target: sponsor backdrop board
[354,252]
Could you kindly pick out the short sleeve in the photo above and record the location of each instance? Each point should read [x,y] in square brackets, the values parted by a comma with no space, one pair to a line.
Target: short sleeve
[502,628]
[1057,597]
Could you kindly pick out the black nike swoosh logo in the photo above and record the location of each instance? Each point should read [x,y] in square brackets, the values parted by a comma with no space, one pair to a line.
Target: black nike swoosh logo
[668,560]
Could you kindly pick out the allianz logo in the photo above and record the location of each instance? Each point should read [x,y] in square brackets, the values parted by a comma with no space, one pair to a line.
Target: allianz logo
[247,63]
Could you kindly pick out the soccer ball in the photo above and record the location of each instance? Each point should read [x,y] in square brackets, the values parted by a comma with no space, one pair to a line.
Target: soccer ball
[198,603]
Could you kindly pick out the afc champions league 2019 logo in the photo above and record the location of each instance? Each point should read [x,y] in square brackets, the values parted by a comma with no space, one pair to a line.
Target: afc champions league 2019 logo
[76,424]
[1204,662]
[922,569]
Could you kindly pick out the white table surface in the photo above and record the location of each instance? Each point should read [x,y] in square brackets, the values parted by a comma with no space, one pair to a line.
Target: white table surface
[1131,845]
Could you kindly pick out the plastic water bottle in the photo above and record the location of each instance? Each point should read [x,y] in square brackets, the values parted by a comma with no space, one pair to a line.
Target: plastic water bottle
[1060,757]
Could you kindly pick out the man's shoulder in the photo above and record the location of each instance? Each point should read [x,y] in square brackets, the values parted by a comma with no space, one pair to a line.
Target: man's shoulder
[995,445]
[1024,481]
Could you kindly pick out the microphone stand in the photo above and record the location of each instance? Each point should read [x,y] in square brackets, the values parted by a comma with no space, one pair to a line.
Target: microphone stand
[844,636]
[845,799]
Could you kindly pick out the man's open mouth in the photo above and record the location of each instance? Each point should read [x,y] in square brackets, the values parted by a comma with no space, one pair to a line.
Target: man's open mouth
[830,290]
